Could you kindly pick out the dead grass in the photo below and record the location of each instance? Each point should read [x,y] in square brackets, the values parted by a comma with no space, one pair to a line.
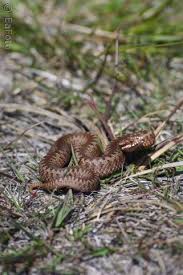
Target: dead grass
[134,223]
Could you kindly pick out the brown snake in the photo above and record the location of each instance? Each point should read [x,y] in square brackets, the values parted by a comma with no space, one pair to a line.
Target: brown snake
[92,163]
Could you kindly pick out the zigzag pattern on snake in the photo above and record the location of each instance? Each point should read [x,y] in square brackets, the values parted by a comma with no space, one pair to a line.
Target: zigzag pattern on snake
[93,164]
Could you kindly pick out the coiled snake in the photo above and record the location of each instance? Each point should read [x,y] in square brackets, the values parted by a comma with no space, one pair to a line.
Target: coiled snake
[92,164]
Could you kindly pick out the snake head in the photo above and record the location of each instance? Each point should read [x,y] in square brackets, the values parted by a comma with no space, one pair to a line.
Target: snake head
[137,141]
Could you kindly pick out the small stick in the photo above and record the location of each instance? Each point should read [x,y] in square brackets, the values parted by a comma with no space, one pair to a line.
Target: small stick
[104,118]
[101,118]
[100,71]
[162,125]
[98,33]
[168,145]
[7,146]
[108,102]
[176,140]
[148,171]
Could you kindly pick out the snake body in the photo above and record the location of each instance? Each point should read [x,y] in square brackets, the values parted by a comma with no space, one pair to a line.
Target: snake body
[92,164]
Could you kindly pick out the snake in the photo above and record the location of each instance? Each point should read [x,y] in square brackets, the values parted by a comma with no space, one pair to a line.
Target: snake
[91,163]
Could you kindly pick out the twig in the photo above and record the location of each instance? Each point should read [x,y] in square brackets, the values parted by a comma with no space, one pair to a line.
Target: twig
[63,121]
[149,14]
[106,35]
[161,150]
[21,135]
[170,144]
[142,119]
[162,125]
[154,169]
[108,102]
[176,140]
[8,176]
[44,137]
[100,71]
[101,118]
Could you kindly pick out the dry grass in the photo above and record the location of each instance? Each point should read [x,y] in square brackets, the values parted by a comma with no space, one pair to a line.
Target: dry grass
[134,223]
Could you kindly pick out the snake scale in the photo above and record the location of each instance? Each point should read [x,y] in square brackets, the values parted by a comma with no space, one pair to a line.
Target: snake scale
[92,164]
